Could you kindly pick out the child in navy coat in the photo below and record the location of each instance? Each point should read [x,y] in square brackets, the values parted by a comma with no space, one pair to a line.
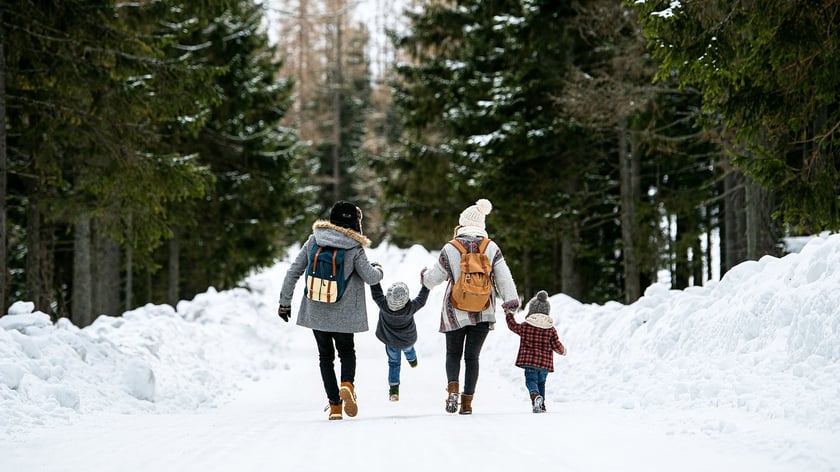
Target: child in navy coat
[537,344]
[396,328]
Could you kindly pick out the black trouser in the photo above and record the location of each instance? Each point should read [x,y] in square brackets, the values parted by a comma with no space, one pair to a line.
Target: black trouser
[465,342]
[328,343]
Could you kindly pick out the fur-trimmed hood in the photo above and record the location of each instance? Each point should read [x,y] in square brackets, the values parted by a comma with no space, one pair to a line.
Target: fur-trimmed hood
[328,234]
[539,320]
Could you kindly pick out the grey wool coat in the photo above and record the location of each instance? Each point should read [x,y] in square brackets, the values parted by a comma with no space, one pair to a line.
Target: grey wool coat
[397,328]
[348,315]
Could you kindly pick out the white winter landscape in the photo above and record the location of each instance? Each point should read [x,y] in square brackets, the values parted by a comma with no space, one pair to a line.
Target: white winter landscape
[739,375]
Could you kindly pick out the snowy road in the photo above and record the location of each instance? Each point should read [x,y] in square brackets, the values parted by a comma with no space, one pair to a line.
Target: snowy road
[277,424]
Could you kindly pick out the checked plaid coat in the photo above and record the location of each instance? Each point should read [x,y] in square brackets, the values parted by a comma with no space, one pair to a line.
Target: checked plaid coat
[538,341]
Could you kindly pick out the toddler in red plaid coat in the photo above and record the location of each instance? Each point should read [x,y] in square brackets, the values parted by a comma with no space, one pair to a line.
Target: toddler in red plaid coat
[537,344]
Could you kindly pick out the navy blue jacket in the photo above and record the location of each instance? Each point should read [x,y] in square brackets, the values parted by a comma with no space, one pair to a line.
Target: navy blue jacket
[396,328]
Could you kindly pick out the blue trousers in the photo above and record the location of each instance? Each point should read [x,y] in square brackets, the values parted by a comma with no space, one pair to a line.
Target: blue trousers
[394,361]
[535,380]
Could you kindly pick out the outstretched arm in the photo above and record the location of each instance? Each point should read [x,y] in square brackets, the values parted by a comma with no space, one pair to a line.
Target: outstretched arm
[504,285]
[512,324]
[436,274]
[293,274]
[368,272]
[378,296]
[420,300]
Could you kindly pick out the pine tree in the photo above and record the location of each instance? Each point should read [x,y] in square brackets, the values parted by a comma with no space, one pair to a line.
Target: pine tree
[254,207]
[767,73]
[94,79]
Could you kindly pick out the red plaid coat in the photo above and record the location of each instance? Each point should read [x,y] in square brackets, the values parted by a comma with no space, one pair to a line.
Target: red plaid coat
[536,345]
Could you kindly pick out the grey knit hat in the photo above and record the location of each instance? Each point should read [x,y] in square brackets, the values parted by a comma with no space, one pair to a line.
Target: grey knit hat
[539,304]
[397,296]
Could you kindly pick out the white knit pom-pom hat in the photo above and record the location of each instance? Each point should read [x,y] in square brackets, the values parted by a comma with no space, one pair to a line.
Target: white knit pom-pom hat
[474,215]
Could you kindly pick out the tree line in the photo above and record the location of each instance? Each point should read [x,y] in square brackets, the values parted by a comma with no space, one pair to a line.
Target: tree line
[143,157]
[149,150]
[617,138]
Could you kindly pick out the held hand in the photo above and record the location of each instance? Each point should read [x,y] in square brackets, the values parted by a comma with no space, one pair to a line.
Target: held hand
[423,274]
[377,265]
[285,312]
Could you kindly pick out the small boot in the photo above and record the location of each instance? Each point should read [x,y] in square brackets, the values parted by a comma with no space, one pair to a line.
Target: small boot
[394,393]
[335,411]
[466,404]
[348,396]
[452,396]
[412,362]
[537,403]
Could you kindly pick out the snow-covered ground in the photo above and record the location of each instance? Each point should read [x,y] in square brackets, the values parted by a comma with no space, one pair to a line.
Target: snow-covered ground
[740,375]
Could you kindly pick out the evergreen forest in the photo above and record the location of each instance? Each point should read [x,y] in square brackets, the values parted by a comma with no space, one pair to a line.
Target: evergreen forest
[150,150]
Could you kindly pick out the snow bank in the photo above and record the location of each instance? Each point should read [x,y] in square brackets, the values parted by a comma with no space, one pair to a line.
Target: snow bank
[765,340]
[152,359]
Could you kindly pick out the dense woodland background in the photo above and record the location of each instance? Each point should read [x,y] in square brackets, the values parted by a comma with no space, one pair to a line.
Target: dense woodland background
[151,149]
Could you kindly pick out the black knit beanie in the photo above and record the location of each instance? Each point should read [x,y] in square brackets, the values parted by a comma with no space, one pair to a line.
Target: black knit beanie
[346,215]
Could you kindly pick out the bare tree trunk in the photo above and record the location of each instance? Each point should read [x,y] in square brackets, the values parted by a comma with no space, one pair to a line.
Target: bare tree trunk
[735,247]
[38,257]
[761,240]
[34,288]
[740,210]
[525,286]
[82,301]
[337,100]
[570,280]
[697,261]
[106,273]
[129,268]
[4,263]
[681,265]
[174,268]
[709,261]
[629,187]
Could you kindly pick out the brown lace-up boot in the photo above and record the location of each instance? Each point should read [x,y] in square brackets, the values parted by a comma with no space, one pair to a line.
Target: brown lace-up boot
[452,396]
[348,396]
[466,404]
[335,411]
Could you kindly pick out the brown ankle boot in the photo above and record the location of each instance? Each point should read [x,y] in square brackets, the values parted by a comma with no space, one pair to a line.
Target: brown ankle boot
[452,396]
[466,404]
[348,396]
[335,411]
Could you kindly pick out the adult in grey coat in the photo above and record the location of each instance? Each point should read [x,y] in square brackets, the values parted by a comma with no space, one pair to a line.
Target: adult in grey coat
[334,324]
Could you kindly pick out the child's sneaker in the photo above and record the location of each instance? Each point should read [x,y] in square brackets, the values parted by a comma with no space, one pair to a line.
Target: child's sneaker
[412,362]
[394,393]
[539,403]
[348,396]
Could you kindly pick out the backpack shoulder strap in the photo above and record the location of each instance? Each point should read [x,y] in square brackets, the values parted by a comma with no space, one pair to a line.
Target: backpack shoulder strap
[458,245]
[316,251]
[483,245]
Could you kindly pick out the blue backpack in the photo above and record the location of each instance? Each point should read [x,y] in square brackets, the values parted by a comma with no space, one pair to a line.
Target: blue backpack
[325,274]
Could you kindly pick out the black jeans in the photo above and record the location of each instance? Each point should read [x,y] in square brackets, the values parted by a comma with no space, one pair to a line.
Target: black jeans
[465,342]
[328,344]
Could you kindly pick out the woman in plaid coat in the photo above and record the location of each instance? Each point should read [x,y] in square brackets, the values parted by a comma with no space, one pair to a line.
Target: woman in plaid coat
[537,344]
